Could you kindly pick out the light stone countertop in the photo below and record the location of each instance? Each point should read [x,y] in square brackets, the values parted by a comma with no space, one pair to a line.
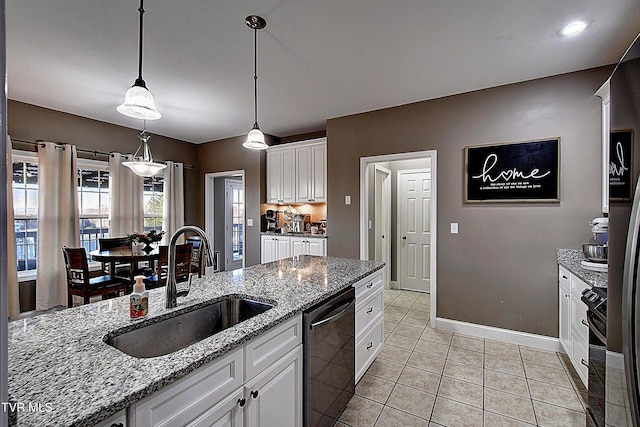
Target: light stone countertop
[571,258]
[305,234]
[60,363]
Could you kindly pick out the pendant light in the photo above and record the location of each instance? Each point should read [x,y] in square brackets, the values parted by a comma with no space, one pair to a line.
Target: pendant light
[255,138]
[138,101]
[144,165]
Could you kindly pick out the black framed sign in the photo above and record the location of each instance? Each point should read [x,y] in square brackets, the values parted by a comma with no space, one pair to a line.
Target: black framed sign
[526,171]
[620,165]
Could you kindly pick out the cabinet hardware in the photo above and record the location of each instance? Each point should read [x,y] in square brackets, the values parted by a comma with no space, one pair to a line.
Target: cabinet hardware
[584,323]
[254,393]
[369,285]
[584,363]
[242,402]
[567,295]
[117,425]
[404,237]
[565,277]
[370,310]
[370,346]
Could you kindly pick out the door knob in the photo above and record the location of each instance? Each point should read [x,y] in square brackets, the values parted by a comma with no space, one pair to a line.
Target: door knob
[254,393]
[383,236]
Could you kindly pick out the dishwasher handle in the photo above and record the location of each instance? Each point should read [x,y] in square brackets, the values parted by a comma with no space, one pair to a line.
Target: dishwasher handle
[343,309]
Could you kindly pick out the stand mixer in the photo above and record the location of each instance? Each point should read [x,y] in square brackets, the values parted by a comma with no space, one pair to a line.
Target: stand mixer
[596,251]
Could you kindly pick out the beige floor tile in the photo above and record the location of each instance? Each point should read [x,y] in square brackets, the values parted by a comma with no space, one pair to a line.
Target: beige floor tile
[385,369]
[409,331]
[509,405]
[411,400]
[416,314]
[464,372]
[402,303]
[341,424]
[432,348]
[391,417]
[455,414]
[393,317]
[392,310]
[389,326]
[555,416]
[547,375]
[504,364]
[500,348]
[374,388]
[361,412]
[555,395]
[418,323]
[541,357]
[466,356]
[420,379]
[434,335]
[409,296]
[508,383]
[402,341]
[461,391]
[495,420]
[468,343]
[426,362]
[421,305]
[394,354]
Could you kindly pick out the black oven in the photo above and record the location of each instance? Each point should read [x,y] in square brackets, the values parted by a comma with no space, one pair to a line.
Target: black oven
[596,301]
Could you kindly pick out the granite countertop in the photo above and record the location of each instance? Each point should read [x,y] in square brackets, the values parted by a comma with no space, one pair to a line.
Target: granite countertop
[571,258]
[60,362]
[305,234]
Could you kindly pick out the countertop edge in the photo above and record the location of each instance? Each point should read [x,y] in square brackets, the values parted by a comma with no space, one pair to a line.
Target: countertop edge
[571,258]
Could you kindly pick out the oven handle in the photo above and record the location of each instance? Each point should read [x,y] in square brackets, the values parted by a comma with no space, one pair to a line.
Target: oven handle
[594,329]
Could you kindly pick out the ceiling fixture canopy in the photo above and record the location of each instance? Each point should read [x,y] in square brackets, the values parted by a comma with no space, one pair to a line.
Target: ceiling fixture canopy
[138,101]
[144,165]
[255,138]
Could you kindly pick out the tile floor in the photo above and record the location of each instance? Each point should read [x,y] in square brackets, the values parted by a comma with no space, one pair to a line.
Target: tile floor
[424,377]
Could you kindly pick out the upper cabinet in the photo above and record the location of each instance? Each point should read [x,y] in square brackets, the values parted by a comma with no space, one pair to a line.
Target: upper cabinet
[297,173]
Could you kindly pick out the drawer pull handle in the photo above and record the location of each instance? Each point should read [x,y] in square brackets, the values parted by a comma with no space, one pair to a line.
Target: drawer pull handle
[242,402]
[567,295]
[117,425]
[370,346]
[370,310]
[584,323]
[369,285]
[254,393]
[564,277]
[584,363]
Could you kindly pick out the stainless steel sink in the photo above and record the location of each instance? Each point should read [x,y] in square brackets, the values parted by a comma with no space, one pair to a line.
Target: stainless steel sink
[188,328]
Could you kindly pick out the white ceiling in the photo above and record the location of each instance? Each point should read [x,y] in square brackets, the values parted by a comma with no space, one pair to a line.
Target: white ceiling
[318,59]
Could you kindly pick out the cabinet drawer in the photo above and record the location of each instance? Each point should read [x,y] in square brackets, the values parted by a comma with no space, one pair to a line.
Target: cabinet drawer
[577,286]
[266,349]
[368,348]
[117,419]
[579,323]
[564,277]
[183,401]
[367,286]
[369,312]
[580,357]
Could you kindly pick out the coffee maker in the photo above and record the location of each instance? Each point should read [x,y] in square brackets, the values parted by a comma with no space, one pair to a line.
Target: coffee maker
[298,223]
[271,217]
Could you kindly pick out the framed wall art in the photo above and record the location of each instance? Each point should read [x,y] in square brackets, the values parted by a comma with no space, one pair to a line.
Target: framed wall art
[620,165]
[526,171]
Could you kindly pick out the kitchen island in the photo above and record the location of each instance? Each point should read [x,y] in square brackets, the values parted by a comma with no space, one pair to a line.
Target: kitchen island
[63,373]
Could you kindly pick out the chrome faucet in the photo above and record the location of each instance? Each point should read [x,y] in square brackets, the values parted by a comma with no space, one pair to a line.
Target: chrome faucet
[171,290]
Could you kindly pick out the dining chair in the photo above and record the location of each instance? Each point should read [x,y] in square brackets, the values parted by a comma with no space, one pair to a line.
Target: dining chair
[196,257]
[184,254]
[112,243]
[80,283]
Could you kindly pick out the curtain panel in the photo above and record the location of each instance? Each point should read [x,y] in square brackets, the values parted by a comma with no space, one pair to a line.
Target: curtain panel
[58,222]
[126,211]
[173,203]
[13,293]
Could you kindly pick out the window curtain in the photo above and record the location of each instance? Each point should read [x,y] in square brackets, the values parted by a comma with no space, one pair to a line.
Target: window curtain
[58,222]
[173,203]
[13,292]
[126,212]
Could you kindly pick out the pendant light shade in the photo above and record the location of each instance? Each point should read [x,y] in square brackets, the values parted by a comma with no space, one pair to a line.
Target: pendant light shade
[144,165]
[255,138]
[138,101]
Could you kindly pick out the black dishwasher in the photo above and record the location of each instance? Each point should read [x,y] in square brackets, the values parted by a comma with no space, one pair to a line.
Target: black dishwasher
[329,359]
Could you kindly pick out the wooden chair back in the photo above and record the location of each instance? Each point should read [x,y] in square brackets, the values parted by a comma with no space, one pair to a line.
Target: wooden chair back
[184,255]
[106,243]
[77,267]
[196,257]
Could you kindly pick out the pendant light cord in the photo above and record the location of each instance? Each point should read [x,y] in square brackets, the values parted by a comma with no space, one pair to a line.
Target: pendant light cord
[255,77]
[140,81]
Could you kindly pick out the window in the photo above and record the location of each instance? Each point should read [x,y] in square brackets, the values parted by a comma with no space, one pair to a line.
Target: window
[153,202]
[93,202]
[24,187]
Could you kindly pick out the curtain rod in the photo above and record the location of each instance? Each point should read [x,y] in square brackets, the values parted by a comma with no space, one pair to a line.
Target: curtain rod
[80,150]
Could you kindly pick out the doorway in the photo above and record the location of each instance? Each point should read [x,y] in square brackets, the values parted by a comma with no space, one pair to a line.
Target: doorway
[225,219]
[411,263]
[382,223]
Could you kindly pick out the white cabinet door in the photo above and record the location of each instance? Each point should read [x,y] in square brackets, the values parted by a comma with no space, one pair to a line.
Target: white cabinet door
[308,246]
[304,175]
[298,246]
[317,246]
[564,327]
[319,173]
[268,249]
[284,250]
[228,413]
[274,397]
[281,172]
[288,176]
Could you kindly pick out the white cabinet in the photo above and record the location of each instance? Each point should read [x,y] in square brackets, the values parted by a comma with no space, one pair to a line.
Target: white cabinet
[118,419]
[573,329]
[273,248]
[369,321]
[308,246]
[281,176]
[297,172]
[258,384]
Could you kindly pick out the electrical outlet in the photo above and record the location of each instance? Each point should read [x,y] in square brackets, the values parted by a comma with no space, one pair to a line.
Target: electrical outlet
[454,228]
[347,200]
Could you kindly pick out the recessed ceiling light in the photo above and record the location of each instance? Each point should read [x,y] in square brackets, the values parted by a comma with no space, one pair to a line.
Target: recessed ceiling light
[573,28]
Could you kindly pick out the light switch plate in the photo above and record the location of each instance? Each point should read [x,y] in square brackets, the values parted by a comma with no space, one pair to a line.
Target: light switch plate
[347,200]
[454,228]
[249,222]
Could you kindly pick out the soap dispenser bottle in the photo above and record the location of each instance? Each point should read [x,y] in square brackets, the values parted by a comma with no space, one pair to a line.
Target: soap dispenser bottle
[139,299]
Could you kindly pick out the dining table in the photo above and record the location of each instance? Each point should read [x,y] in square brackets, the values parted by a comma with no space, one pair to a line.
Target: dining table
[126,255]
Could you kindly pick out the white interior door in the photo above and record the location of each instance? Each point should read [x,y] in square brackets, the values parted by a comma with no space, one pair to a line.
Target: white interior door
[414,230]
[383,219]
[233,224]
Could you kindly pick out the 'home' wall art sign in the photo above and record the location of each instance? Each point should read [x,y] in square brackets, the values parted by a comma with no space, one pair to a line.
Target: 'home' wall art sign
[513,172]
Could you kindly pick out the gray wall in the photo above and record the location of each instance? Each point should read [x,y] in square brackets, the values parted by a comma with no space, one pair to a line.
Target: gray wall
[501,269]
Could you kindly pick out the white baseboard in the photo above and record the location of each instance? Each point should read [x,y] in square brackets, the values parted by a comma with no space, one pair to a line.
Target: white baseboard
[506,335]
[394,284]
[615,360]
